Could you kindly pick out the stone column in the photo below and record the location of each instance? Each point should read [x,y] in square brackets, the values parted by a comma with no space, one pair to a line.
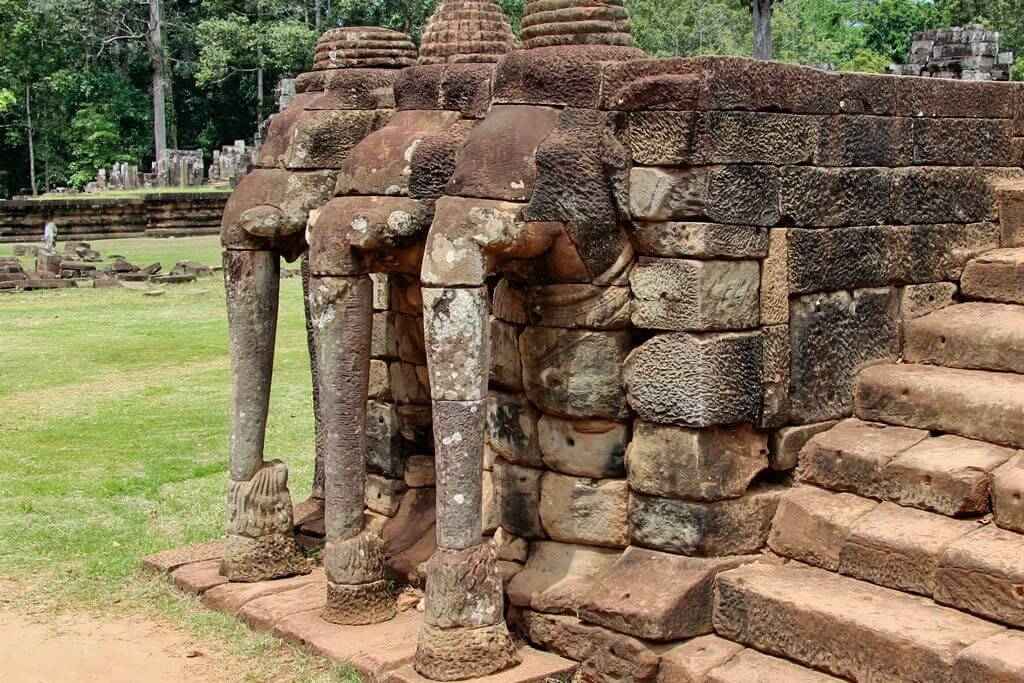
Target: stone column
[318,420]
[260,536]
[342,315]
[464,634]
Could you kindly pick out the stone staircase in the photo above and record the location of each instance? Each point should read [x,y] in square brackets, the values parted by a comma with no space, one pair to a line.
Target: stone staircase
[903,547]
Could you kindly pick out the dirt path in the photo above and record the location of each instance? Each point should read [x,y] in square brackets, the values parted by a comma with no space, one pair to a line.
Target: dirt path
[76,648]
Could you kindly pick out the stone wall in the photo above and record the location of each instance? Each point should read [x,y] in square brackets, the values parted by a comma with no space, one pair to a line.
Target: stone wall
[970,53]
[157,214]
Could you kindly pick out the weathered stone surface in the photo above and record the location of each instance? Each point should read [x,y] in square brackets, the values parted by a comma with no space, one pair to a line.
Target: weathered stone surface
[517,498]
[455,324]
[842,626]
[169,560]
[1011,213]
[506,368]
[695,464]
[581,510]
[559,576]
[379,164]
[999,659]
[662,194]
[410,537]
[970,335]
[899,547]
[811,525]
[419,471]
[701,240]
[678,294]
[511,548]
[491,519]
[383,495]
[864,141]
[691,660]
[729,527]
[262,613]
[358,605]
[458,450]
[988,406]
[744,195]
[741,195]
[556,75]
[498,160]
[463,588]
[614,654]
[273,203]
[919,300]
[577,306]
[370,649]
[940,195]
[850,258]
[355,560]
[833,336]
[776,355]
[982,573]
[512,429]
[774,292]
[584,448]
[386,447]
[852,456]
[199,577]
[696,380]
[655,595]
[397,336]
[461,653]
[380,381]
[409,383]
[946,474]
[575,373]
[1008,494]
[996,276]
[786,443]
[323,139]
[751,665]
[824,198]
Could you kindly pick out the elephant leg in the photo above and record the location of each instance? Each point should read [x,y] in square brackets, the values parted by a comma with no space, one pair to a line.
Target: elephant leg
[464,633]
[260,536]
[318,420]
[342,314]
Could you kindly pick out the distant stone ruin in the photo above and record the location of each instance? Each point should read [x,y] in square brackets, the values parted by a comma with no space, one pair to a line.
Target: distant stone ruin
[968,53]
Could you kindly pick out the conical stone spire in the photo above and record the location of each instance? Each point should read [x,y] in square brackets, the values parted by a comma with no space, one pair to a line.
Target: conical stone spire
[466,31]
[354,47]
[547,23]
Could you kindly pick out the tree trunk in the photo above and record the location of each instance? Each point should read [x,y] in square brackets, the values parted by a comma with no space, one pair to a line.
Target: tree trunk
[259,88]
[316,15]
[762,11]
[31,150]
[154,39]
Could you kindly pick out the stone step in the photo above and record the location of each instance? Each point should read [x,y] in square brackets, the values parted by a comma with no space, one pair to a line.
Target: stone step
[710,659]
[988,406]
[975,335]
[995,276]
[947,474]
[856,630]
[975,568]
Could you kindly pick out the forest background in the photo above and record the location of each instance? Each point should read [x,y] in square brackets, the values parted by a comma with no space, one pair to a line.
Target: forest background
[86,67]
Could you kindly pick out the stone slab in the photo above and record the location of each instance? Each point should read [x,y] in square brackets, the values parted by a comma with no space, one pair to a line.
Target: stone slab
[198,577]
[231,597]
[169,560]
[999,659]
[263,613]
[534,667]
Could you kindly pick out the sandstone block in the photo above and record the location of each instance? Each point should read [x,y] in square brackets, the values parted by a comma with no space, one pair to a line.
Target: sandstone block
[662,194]
[584,448]
[512,429]
[999,659]
[824,198]
[744,137]
[398,337]
[811,525]
[728,527]
[751,665]
[996,276]
[774,292]
[587,511]
[707,464]
[380,381]
[917,301]
[970,335]
[744,195]
[786,443]
[491,520]
[776,354]
[656,596]
[852,456]
[387,448]
[506,369]
[875,256]
[575,373]
[419,471]
[559,576]
[940,195]
[981,573]
[842,626]
[946,474]
[899,547]
[556,75]
[517,498]
[1008,494]
[410,536]
[662,138]
[678,294]
[701,240]
[696,380]
[613,654]
[578,306]
[384,495]
[1011,214]
[691,660]
[511,548]
[864,141]
[323,139]
[833,336]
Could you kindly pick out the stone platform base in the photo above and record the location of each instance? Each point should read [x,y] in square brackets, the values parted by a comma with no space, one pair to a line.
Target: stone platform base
[290,608]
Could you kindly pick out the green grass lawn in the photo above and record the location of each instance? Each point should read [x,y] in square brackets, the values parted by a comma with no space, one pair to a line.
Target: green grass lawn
[114,415]
[121,194]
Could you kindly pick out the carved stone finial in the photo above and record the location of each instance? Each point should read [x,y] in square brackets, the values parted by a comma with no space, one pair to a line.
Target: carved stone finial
[355,47]
[466,31]
[549,23]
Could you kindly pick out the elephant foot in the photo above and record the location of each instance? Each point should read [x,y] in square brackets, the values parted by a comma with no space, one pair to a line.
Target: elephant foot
[368,603]
[274,556]
[455,654]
